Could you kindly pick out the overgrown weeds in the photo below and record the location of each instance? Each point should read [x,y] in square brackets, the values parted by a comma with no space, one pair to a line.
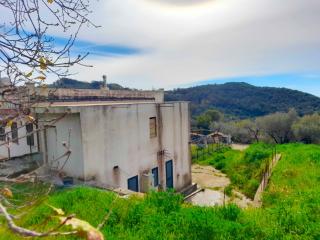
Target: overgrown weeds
[291,206]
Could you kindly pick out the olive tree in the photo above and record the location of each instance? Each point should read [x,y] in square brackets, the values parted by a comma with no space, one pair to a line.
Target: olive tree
[204,120]
[278,126]
[238,132]
[252,129]
[307,129]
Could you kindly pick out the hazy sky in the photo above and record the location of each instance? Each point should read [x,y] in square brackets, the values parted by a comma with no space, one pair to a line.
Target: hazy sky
[171,43]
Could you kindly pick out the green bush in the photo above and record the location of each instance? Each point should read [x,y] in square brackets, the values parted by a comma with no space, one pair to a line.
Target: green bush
[228,190]
[231,212]
[220,165]
[244,169]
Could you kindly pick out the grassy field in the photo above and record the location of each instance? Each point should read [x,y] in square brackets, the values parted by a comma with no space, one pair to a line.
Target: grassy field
[244,169]
[291,207]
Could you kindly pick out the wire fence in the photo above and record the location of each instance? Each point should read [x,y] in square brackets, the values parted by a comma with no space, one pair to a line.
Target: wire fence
[200,152]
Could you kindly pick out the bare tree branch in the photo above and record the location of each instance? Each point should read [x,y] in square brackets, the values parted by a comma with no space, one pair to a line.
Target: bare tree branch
[29,233]
[27,50]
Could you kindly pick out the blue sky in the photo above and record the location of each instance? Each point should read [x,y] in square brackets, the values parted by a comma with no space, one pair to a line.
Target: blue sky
[309,83]
[166,44]
[97,50]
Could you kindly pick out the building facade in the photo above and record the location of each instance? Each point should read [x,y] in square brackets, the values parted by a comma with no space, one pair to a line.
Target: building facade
[136,146]
[118,139]
[19,146]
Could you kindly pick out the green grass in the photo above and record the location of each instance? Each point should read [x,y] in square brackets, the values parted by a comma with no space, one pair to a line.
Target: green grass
[158,216]
[244,169]
[291,207]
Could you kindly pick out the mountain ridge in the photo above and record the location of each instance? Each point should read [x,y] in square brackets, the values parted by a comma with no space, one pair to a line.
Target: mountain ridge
[244,100]
[238,99]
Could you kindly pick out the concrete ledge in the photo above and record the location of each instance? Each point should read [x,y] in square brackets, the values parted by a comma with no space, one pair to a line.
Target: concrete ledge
[189,189]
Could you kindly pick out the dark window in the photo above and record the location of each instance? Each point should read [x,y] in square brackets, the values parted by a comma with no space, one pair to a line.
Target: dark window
[30,138]
[153,127]
[133,184]
[155,177]
[14,132]
[2,134]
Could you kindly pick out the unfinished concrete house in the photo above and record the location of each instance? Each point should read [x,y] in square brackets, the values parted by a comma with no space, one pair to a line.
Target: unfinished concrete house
[118,139]
[13,126]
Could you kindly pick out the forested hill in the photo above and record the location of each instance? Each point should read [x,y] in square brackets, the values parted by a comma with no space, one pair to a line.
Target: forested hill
[72,83]
[237,99]
[244,100]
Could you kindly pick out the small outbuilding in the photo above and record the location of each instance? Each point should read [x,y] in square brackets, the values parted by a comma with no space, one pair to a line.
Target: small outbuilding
[218,137]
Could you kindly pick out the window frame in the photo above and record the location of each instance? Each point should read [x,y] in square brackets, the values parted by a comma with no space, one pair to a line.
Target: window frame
[30,138]
[153,133]
[15,132]
[2,133]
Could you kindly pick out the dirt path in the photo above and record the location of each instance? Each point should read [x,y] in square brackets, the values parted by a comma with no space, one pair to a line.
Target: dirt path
[214,182]
[240,147]
[209,177]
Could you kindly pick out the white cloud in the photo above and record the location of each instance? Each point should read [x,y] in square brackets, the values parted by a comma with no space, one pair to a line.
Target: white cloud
[193,42]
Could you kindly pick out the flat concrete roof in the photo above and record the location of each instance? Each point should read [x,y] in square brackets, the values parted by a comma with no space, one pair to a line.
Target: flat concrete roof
[97,103]
[89,103]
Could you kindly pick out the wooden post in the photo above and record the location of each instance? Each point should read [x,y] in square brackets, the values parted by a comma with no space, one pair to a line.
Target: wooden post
[202,154]
[197,154]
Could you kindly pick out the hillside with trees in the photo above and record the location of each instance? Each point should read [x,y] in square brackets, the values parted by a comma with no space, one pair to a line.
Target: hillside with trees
[243,100]
[238,100]
[279,127]
[72,83]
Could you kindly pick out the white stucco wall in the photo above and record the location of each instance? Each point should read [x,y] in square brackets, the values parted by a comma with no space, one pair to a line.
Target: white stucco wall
[176,132]
[120,137]
[109,136]
[21,148]
[56,136]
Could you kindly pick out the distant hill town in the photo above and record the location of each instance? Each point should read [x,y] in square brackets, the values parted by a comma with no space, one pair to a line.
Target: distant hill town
[240,100]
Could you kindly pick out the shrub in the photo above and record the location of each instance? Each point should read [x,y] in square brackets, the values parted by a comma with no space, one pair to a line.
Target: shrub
[228,190]
[165,202]
[231,212]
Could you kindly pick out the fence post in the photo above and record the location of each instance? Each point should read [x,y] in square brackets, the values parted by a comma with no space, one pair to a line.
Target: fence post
[202,154]
[197,153]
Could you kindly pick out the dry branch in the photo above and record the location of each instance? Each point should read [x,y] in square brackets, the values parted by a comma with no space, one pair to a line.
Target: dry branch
[29,233]
[27,50]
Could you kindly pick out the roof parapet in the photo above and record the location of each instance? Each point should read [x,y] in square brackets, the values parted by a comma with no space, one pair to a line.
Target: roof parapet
[103,94]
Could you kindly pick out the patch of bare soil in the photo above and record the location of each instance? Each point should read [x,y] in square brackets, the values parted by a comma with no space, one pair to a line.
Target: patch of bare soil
[240,147]
[209,177]
[214,182]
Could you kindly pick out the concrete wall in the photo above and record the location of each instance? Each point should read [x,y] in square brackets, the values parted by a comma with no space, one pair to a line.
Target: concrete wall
[21,148]
[116,143]
[55,136]
[176,132]
[119,137]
